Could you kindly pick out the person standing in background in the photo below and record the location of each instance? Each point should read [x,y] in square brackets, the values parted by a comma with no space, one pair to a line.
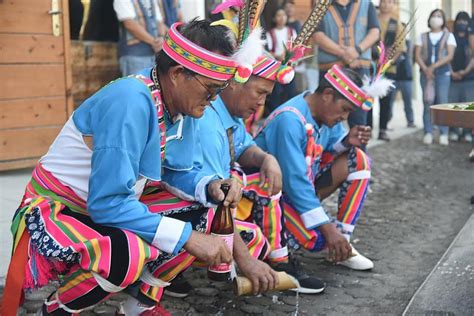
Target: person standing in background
[357,21]
[172,11]
[404,81]
[300,81]
[277,38]
[462,76]
[141,34]
[390,29]
[434,51]
[292,22]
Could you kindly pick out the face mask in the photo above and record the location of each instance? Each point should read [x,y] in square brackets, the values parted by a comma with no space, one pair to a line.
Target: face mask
[436,22]
[460,27]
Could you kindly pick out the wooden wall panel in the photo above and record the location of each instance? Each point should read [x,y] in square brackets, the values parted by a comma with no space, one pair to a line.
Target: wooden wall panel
[67,58]
[26,143]
[32,81]
[25,16]
[31,48]
[18,164]
[94,64]
[32,112]
[35,76]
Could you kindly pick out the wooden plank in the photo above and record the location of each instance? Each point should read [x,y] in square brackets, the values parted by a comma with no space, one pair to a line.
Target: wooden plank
[88,82]
[18,164]
[26,143]
[94,64]
[25,81]
[67,58]
[32,112]
[30,48]
[25,16]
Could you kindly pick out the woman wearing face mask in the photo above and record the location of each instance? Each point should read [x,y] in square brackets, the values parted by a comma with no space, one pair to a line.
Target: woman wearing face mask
[434,51]
[462,77]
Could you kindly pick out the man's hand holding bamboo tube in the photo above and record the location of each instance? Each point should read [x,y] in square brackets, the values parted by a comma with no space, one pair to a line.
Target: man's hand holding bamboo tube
[263,277]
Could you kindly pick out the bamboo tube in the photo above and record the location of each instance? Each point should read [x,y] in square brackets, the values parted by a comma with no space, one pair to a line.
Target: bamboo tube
[243,286]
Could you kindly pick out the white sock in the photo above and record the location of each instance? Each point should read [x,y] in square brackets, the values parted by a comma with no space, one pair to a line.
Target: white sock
[133,307]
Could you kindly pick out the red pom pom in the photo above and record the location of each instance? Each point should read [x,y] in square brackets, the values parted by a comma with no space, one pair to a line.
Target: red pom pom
[243,74]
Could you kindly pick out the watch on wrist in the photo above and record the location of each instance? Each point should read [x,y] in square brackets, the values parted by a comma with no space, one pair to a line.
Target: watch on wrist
[358,49]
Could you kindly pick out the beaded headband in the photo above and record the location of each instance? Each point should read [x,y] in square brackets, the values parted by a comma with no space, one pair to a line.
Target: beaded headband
[196,58]
[347,88]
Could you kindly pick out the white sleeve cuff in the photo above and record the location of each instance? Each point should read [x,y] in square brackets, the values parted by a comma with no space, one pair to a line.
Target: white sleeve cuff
[314,217]
[168,234]
[201,190]
[339,147]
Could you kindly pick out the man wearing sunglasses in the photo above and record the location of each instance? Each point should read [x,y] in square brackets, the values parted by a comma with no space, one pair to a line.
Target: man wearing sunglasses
[81,217]
[213,90]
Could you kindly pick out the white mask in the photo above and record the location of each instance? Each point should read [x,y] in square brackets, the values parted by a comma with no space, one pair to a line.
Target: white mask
[436,22]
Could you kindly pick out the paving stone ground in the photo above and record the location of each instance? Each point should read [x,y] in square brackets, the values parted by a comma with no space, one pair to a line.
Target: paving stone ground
[417,204]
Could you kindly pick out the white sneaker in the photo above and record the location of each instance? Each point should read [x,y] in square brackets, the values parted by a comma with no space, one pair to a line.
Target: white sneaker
[443,140]
[453,137]
[357,262]
[468,138]
[428,139]
[471,155]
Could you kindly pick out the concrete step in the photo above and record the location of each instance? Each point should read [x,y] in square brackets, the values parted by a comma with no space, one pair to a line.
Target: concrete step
[449,288]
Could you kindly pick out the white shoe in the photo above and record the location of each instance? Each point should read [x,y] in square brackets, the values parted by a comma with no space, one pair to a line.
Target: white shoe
[468,138]
[357,262]
[471,155]
[443,140]
[453,137]
[428,139]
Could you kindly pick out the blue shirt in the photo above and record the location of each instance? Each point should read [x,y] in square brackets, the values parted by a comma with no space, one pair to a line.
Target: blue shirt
[285,138]
[123,121]
[214,140]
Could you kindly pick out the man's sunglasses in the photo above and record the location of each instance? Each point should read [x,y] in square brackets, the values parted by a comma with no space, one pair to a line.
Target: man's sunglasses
[212,94]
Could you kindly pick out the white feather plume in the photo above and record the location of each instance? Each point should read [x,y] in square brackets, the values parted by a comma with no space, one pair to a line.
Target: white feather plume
[251,48]
[377,89]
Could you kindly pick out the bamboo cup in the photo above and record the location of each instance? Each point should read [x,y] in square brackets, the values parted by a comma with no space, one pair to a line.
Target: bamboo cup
[243,286]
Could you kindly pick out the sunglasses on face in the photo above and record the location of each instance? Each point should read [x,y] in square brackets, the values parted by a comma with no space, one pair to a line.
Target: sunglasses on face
[211,94]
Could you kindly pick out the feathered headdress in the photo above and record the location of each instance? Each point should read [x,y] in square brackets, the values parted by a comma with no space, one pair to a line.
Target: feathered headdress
[377,86]
[266,66]
[248,35]
[373,87]
[295,49]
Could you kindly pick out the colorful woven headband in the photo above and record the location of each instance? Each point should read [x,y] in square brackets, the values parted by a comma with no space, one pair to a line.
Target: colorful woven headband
[347,88]
[196,58]
[271,69]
